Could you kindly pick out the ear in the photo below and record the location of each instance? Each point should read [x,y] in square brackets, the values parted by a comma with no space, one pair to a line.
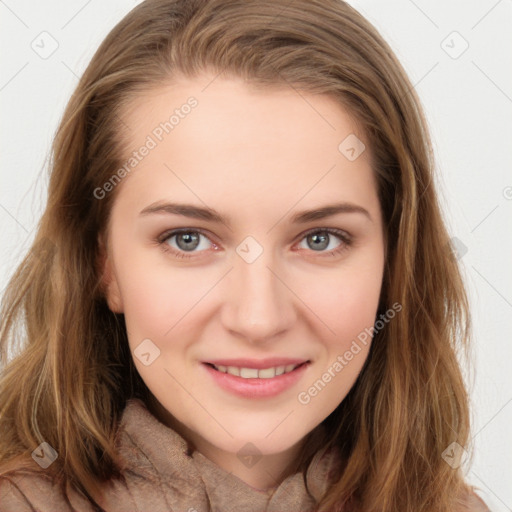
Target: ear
[108,281]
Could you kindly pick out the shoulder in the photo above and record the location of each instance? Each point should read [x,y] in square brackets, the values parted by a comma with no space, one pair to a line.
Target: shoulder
[17,492]
[24,492]
[12,498]
[472,503]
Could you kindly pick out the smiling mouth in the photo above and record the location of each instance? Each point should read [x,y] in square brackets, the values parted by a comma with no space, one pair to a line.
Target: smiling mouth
[254,373]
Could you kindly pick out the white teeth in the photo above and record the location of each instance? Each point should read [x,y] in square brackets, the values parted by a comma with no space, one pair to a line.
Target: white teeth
[254,373]
[267,373]
[249,373]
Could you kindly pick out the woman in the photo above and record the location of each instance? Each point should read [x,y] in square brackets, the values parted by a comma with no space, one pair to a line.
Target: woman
[191,344]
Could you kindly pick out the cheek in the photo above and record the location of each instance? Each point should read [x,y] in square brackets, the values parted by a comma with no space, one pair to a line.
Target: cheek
[346,305]
[344,300]
[155,296]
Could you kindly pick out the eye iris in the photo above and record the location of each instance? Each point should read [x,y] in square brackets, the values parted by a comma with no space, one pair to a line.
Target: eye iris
[189,238]
[323,240]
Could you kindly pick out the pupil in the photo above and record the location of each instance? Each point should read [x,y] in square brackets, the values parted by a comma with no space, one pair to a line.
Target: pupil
[322,240]
[189,238]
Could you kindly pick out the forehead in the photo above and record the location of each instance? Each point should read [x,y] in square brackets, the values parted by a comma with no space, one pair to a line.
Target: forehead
[217,138]
[279,113]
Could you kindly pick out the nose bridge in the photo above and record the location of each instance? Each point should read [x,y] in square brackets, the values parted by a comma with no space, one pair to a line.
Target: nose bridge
[258,303]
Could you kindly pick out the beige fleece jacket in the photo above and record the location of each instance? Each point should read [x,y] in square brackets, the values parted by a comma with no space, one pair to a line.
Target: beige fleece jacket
[162,477]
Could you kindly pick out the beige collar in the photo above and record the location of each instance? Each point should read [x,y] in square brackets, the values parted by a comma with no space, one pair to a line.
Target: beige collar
[159,473]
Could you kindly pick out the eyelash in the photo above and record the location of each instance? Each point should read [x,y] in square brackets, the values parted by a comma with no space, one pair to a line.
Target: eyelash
[345,238]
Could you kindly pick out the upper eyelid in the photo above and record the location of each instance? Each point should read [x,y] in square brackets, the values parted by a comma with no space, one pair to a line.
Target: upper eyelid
[340,233]
[173,232]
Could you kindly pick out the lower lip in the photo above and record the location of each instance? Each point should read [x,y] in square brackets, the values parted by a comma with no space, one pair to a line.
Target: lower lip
[256,388]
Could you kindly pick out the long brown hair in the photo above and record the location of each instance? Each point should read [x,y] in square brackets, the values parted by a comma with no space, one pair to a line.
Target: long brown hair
[71,372]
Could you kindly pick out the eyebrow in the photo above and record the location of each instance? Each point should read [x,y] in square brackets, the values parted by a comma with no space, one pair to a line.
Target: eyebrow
[209,214]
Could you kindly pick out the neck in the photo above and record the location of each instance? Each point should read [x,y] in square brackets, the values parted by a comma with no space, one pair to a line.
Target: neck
[271,469]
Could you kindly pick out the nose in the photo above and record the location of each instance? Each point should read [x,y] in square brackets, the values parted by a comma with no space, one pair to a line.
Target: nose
[258,304]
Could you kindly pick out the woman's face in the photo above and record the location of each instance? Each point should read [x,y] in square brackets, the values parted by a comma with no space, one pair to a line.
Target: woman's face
[269,283]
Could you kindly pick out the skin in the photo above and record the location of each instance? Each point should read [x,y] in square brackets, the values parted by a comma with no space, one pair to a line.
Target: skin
[257,156]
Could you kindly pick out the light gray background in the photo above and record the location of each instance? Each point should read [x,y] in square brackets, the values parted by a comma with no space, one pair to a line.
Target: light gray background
[468,102]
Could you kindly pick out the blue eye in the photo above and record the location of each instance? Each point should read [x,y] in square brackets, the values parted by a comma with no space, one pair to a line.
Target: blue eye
[321,240]
[187,240]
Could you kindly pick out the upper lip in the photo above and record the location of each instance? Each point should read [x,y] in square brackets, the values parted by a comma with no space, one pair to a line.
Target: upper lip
[257,363]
